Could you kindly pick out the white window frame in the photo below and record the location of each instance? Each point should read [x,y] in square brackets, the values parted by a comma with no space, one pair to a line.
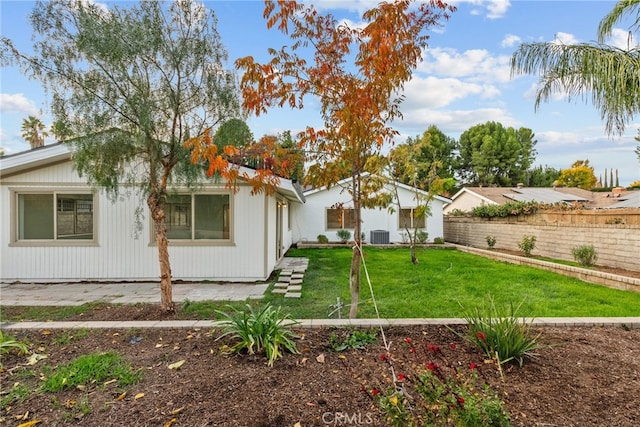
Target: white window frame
[344,217]
[412,219]
[193,241]
[55,241]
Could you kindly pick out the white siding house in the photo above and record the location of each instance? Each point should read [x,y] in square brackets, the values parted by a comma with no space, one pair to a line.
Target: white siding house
[55,227]
[318,215]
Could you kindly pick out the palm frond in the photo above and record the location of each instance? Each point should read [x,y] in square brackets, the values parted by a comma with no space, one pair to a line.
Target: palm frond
[607,76]
[621,9]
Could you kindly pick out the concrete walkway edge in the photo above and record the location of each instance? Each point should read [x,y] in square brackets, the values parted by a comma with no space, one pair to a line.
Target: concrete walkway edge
[628,322]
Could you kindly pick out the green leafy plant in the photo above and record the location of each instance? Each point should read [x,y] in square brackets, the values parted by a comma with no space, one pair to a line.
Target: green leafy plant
[90,368]
[422,236]
[491,241]
[585,255]
[501,335]
[527,244]
[354,340]
[322,238]
[263,330]
[9,343]
[438,392]
[506,209]
[343,235]
[439,240]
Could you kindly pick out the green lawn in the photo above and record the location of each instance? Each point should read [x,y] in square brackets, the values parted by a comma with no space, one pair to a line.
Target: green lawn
[438,286]
[442,282]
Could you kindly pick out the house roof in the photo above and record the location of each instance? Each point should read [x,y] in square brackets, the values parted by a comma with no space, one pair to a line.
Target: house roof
[500,195]
[347,181]
[627,199]
[55,153]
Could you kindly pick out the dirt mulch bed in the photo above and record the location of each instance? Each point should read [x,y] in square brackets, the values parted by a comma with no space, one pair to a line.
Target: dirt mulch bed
[589,377]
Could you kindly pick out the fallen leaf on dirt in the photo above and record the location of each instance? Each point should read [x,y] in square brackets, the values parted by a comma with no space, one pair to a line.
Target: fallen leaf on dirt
[22,417]
[122,396]
[297,425]
[342,356]
[81,387]
[168,423]
[177,411]
[302,362]
[159,345]
[35,358]
[138,396]
[177,364]
[70,403]
[320,358]
[29,423]
[311,404]
[110,382]
[46,332]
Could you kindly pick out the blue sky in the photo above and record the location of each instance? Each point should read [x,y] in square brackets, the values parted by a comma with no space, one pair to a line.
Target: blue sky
[464,79]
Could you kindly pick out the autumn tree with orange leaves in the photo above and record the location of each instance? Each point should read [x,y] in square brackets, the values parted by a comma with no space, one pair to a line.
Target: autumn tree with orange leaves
[356,74]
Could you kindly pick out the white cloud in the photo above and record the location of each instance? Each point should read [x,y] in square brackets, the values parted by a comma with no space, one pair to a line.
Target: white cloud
[497,8]
[452,122]
[494,9]
[565,38]
[475,64]
[532,92]
[432,92]
[622,39]
[510,40]
[17,103]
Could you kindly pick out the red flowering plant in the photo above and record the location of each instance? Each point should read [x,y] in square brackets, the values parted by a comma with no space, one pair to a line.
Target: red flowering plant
[430,386]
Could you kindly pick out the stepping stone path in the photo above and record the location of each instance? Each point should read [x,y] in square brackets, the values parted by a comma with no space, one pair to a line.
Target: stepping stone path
[291,275]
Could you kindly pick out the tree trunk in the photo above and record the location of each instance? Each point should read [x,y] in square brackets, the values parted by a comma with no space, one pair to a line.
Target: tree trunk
[156,207]
[354,276]
[414,258]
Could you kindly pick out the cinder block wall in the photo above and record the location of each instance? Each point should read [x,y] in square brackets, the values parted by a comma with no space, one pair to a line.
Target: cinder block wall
[617,245]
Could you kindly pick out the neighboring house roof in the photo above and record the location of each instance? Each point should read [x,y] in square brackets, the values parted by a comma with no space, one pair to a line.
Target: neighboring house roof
[501,195]
[345,183]
[60,152]
[627,199]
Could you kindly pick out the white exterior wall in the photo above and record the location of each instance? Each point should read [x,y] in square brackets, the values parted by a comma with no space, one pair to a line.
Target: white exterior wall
[309,220]
[466,202]
[119,255]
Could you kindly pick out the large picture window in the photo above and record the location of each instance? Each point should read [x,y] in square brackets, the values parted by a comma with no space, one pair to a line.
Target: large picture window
[55,216]
[197,217]
[340,218]
[407,219]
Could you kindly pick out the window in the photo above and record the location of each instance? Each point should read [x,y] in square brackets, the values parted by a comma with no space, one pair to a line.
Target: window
[55,216]
[340,218]
[197,217]
[407,219]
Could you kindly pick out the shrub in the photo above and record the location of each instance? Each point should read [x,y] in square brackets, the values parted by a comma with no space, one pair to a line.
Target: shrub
[505,209]
[343,235]
[527,244]
[322,238]
[438,391]
[502,336]
[264,330]
[422,236]
[354,340]
[491,241]
[585,254]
